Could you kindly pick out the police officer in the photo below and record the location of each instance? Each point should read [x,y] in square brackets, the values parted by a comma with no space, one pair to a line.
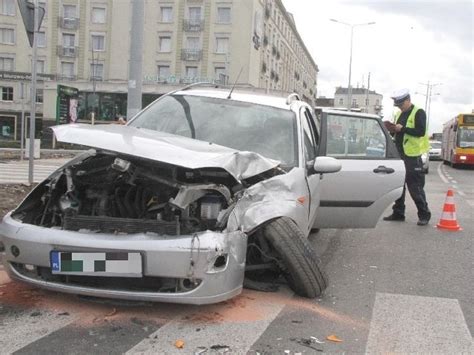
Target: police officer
[411,138]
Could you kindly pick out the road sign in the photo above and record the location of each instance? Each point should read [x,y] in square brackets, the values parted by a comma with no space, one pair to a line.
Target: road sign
[27,10]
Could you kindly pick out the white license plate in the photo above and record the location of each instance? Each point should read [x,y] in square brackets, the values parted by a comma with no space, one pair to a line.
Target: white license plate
[114,264]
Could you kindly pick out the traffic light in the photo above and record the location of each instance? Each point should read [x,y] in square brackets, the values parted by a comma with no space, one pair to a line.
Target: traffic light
[27,10]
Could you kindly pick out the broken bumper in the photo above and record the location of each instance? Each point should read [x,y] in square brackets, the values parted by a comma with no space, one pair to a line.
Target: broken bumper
[211,265]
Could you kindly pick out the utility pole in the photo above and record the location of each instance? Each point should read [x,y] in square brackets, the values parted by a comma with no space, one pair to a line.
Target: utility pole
[22,132]
[367,95]
[134,96]
[33,96]
[32,16]
[429,93]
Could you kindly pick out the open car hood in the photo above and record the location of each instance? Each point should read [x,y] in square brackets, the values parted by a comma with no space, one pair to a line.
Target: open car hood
[165,147]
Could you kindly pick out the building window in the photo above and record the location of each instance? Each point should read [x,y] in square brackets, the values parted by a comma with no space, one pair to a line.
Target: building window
[6,64]
[7,7]
[191,72]
[39,96]
[98,15]
[97,71]
[98,42]
[354,102]
[7,36]
[164,43]
[366,102]
[166,14]
[67,70]
[42,4]
[222,44]
[41,39]
[220,75]
[69,40]
[69,11]
[194,13]
[6,93]
[163,72]
[40,66]
[223,15]
[193,43]
[341,102]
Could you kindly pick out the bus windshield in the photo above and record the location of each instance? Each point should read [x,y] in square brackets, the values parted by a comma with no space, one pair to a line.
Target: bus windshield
[466,137]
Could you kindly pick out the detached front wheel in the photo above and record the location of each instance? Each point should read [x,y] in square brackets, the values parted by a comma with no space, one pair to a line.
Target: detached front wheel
[298,261]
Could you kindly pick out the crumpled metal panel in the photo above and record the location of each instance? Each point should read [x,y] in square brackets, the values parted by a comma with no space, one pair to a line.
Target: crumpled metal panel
[165,147]
[272,198]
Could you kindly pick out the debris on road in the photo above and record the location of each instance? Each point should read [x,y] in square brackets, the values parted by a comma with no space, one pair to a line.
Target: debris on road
[308,342]
[316,340]
[334,338]
[179,344]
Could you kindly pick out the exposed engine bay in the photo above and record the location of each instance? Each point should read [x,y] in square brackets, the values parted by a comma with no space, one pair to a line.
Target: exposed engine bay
[109,193]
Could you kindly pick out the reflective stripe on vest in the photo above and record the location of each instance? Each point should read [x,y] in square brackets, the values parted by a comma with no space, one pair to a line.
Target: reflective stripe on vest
[414,146]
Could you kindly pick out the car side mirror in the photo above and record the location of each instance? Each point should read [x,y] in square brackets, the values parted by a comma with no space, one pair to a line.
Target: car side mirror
[325,165]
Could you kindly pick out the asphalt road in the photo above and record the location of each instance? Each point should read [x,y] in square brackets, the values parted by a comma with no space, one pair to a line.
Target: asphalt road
[398,288]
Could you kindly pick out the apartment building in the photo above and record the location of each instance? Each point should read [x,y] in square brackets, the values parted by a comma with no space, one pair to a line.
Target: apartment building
[363,99]
[83,54]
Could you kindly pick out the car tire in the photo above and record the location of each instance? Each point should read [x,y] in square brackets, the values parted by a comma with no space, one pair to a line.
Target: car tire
[300,264]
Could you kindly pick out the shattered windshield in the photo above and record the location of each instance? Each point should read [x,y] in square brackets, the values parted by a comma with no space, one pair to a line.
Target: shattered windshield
[243,126]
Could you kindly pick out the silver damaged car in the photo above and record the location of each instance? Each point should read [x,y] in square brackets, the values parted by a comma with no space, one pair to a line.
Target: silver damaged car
[202,189]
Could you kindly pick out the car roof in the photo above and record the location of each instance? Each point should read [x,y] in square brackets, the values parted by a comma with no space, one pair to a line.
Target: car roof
[341,112]
[239,94]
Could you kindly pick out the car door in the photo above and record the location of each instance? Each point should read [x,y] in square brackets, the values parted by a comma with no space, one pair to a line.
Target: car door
[311,138]
[372,174]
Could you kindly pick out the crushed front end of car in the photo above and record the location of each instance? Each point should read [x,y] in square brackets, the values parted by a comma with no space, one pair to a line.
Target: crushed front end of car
[112,225]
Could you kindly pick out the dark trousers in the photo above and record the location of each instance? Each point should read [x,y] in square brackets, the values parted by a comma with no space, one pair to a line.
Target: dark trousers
[415,183]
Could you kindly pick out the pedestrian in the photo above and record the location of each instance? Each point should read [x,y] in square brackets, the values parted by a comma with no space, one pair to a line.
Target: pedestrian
[411,138]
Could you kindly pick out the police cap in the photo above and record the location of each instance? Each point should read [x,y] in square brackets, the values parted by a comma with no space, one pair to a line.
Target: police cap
[400,96]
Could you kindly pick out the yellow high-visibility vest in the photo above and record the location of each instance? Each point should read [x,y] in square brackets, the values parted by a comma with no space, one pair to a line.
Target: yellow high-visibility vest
[414,146]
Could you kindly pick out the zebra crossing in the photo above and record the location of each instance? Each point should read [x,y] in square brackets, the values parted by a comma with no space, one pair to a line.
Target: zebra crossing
[16,172]
[35,321]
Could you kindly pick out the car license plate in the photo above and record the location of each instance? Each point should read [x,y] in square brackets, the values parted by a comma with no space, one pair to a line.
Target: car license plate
[113,264]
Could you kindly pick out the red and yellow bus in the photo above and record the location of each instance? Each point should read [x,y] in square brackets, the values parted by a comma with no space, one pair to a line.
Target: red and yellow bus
[458,140]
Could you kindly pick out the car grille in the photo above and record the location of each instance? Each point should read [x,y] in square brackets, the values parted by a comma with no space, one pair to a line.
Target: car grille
[128,284]
[106,224]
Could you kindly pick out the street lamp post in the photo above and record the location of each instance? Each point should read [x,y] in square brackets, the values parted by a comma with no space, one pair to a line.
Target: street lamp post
[349,87]
[428,95]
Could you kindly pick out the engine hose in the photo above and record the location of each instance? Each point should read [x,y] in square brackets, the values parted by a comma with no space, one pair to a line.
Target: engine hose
[137,202]
[120,205]
[128,201]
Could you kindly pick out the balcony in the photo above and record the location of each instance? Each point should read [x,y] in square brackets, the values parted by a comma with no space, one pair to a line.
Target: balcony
[69,52]
[68,23]
[193,25]
[97,78]
[191,55]
[66,77]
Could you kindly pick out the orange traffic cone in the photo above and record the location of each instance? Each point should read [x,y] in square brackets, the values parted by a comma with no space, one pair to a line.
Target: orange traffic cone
[448,218]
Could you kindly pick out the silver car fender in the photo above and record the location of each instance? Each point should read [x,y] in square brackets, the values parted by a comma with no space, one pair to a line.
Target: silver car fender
[280,196]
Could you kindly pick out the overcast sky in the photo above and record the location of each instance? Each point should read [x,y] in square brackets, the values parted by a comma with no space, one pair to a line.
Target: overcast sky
[412,42]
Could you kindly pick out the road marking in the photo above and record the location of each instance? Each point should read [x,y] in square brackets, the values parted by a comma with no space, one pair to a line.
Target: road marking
[18,171]
[414,324]
[19,330]
[441,174]
[238,330]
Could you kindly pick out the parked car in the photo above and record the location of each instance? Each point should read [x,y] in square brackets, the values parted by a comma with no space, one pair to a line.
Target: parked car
[425,159]
[200,189]
[435,150]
